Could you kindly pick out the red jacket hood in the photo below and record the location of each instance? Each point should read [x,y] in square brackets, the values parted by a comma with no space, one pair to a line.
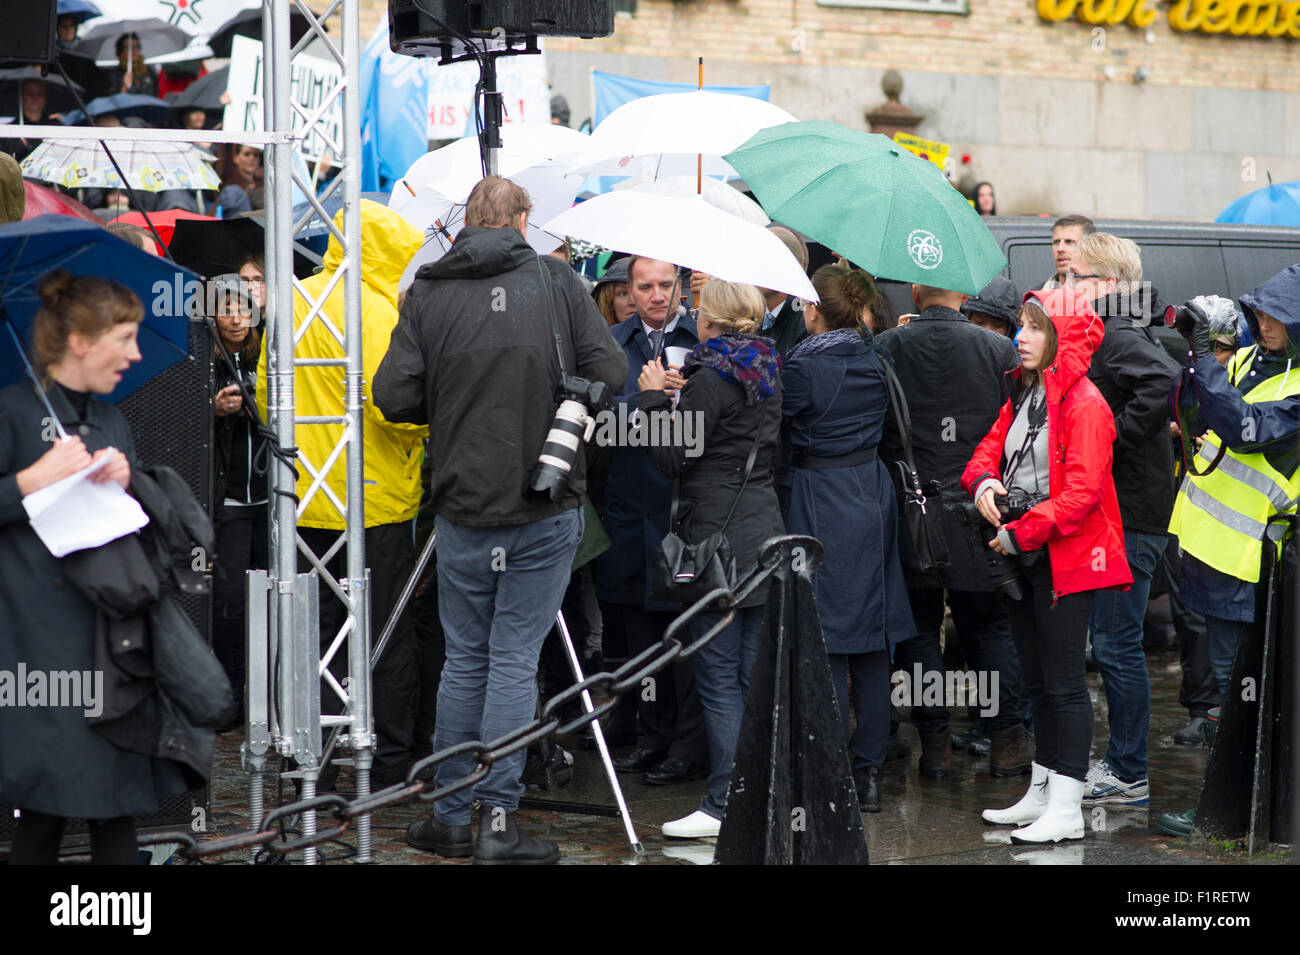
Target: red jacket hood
[1079,332]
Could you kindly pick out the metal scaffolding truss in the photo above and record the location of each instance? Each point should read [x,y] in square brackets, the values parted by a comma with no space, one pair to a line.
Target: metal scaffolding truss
[286,662]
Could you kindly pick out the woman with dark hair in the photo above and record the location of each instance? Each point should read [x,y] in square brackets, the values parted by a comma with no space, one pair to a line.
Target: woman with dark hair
[613,295]
[240,498]
[132,74]
[53,764]
[1051,447]
[836,400]
[986,204]
[731,383]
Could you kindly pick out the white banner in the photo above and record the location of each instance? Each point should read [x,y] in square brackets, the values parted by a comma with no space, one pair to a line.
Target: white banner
[313,81]
[199,17]
[521,80]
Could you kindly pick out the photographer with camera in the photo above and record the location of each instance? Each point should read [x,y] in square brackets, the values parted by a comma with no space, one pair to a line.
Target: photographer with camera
[1041,477]
[1248,409]
[1133,372]
[486,347]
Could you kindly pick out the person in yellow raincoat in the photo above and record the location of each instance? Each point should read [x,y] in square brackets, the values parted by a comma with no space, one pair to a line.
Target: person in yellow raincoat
[393,454]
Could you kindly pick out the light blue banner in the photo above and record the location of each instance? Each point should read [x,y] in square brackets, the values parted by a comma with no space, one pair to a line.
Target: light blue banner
[394,119]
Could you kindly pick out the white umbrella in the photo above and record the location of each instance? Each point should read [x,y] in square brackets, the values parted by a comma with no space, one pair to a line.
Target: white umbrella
[687,231]
[715,192]
[153,167]
[431,194]
[662,135]
[157,38]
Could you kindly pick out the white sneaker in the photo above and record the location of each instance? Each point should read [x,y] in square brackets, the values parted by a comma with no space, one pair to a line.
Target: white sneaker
[1063,818]
[698,825]
[1031,805]
[1106,787]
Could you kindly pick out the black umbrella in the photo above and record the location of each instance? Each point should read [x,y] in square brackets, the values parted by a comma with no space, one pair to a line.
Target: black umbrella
[81,69]
[204,93]
[58,96]
[249,23]
[215,247]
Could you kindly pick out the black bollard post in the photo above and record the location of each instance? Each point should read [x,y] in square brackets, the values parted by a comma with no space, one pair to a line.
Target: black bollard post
[1247,787]
[791,799]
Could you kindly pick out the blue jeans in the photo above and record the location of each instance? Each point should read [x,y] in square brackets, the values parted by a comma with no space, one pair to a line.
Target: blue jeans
[1221,638]
[1117,648]
[499,589]
[722,672]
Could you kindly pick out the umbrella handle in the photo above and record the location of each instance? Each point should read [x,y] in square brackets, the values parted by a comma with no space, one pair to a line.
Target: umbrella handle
[22,353]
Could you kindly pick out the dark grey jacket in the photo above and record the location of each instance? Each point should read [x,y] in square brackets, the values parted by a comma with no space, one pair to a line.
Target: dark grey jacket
[1133,372]
[709,482]
[51,759]
[473,356]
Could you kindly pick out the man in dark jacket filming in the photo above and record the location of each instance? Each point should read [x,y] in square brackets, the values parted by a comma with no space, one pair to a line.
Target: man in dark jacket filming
[474,355]
[1133,373]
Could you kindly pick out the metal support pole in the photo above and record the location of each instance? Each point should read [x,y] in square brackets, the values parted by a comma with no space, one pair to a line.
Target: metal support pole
[493,113]
[599,734]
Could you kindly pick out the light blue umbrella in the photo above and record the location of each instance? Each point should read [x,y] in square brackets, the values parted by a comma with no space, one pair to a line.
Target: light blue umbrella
[1278,203]
[80,9]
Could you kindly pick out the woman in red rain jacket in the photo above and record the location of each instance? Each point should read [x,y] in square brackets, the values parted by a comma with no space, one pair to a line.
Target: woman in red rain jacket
[1052,444]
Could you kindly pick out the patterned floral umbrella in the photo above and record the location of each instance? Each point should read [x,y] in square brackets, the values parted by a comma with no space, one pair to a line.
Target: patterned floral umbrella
[153,167]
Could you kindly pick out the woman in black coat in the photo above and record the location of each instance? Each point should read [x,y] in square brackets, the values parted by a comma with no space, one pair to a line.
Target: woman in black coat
[53,765]
[836,400]
[730,384]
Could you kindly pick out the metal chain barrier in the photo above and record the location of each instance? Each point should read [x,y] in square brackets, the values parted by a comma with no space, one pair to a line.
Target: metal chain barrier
[627,677]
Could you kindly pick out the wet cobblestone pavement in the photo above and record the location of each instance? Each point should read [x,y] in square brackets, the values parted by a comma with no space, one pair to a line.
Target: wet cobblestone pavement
[922,821]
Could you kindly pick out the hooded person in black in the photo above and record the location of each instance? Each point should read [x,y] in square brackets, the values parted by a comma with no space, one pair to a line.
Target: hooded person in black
[995,307]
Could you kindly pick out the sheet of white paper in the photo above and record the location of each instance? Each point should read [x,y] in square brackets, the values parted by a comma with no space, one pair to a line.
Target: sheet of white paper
[75,514]
[674,355]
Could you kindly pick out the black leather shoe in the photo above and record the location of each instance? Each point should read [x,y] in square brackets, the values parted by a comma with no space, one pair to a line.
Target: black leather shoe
[867,781]
[454,842]
[672,770]
[639,760]
[501,843]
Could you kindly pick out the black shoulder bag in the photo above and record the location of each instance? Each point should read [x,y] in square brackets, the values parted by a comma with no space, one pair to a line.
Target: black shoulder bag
[683,573]
[923,543]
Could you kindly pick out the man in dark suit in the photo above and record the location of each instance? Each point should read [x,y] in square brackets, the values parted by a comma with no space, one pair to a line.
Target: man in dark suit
[783,322]
[671,746]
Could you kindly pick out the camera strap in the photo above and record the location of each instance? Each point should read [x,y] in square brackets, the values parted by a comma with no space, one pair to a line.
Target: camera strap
[555,325]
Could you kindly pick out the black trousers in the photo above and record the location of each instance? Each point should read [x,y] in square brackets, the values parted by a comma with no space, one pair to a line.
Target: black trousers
[1199,691]
[669,710]
[395,682]
[36,841]
[870,695]
[984,632]
[1051,642]
[242,545]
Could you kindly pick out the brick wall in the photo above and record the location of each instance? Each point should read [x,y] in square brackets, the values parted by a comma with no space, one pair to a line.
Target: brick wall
[998,38]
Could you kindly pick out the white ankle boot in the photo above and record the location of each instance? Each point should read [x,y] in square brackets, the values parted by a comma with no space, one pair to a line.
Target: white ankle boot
[1063,818]
[1030,807]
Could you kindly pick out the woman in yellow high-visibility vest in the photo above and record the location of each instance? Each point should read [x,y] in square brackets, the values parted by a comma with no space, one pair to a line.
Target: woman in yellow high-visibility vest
[1251,404]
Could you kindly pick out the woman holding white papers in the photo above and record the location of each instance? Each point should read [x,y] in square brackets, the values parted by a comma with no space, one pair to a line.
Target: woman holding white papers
[53,765]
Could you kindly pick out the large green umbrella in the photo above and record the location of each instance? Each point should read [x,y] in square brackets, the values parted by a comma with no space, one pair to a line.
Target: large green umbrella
[871,201]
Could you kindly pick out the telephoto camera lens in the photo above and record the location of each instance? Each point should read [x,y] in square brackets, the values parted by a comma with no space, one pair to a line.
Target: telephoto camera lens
[570,429]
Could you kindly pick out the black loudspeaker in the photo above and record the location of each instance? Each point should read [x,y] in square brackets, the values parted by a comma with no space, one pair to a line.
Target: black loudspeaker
[171,422]
[28,34]
[422,27]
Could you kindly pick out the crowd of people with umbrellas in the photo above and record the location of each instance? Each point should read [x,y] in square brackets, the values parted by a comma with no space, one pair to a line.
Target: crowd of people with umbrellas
[770,307]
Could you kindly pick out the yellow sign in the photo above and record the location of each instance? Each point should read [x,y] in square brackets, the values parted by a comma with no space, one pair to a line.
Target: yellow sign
[1274,18]
[936,152]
